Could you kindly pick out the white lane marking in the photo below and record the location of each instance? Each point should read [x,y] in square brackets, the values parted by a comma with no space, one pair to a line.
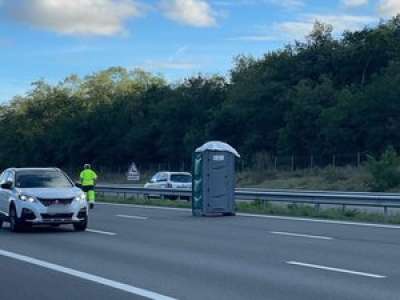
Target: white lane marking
[101,232]
[318,237]
[266,216]
[144,206]
[319,267]
[321,221]
[132,217]
[86,276]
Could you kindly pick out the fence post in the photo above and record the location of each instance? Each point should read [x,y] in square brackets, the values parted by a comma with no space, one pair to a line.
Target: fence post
[334,161]
[292,163]
[358,159]
[276,163]
[312,161]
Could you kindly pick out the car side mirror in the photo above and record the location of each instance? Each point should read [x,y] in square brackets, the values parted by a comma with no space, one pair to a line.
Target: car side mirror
[7,185]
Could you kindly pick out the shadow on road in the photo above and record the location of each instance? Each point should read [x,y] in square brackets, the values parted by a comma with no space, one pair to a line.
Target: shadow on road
[41,230]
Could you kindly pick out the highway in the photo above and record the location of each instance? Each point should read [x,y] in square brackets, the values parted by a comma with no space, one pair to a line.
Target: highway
[133,252]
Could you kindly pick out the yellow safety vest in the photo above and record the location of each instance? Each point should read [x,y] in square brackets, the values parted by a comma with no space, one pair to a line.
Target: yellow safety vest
[88,177]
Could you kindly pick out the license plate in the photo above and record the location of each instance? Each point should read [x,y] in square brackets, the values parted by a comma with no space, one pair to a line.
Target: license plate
[56,209]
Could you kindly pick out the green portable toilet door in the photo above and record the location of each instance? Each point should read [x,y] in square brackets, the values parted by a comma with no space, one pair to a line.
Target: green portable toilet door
[219,181]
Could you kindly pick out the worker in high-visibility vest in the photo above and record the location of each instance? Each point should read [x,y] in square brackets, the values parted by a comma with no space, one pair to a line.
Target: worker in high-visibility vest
[88,182]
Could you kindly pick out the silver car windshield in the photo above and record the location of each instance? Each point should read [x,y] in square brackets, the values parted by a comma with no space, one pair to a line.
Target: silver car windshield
[41,179]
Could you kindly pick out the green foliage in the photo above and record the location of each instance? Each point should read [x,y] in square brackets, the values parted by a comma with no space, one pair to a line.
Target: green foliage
[385,172]
[322,96]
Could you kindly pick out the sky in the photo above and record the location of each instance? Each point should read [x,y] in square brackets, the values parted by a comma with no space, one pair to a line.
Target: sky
[51,39]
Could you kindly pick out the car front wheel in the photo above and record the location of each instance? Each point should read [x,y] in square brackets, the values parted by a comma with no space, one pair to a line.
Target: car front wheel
[16,225]
[81,226]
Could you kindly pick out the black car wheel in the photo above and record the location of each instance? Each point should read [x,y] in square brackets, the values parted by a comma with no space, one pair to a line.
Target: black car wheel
[81,226]
[16,224]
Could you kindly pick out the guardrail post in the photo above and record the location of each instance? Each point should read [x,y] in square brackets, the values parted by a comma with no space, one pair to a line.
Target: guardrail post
[317,207]
[385,213]
[343,208]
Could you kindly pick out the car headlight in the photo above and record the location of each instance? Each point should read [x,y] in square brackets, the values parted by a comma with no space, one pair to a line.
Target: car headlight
[27,198]
[81,198]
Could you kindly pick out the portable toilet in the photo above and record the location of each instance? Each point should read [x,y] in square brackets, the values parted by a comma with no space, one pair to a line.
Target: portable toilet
[214,181]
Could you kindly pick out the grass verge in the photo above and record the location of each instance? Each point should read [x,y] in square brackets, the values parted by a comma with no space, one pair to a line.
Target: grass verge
[268,208]
[145,201]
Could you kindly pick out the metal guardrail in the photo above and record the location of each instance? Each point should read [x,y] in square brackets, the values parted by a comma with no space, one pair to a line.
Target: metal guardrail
[317,198]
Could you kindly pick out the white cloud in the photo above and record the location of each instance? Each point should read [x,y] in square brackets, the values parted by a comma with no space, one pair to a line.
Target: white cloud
[299,29]
[253,38]
[167,65]
[355,3]
[77,17]
[287,3]
[197,13]
[389,8]
[179,60]
[283,3]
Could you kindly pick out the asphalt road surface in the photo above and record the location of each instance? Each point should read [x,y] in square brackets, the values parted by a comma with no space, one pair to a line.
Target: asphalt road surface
[150,253]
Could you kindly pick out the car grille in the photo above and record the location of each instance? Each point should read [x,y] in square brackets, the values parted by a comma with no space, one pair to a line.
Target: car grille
[56,216]
[48,202]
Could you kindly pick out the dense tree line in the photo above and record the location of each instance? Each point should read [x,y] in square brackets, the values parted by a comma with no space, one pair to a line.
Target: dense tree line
[325,95]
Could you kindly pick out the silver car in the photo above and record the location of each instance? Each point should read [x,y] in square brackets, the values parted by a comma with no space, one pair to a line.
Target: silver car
[41,196]
[172,180]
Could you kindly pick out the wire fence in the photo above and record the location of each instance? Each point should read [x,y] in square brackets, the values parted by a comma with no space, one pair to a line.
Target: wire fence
[260,162]
[301,162]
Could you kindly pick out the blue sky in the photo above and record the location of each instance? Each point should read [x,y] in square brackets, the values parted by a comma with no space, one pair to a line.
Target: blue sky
[51,39]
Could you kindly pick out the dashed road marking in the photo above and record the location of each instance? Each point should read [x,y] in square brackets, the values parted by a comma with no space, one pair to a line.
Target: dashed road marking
[301,235]
[319,267]
[132,217]
[86,276]
[101,232]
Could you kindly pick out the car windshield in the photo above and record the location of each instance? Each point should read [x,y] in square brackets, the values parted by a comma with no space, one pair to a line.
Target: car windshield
[181,178]
[41,179]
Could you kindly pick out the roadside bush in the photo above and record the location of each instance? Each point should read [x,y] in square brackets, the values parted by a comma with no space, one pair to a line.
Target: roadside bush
[385,171]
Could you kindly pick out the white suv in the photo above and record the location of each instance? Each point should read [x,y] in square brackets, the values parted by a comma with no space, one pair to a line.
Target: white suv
[41,196]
